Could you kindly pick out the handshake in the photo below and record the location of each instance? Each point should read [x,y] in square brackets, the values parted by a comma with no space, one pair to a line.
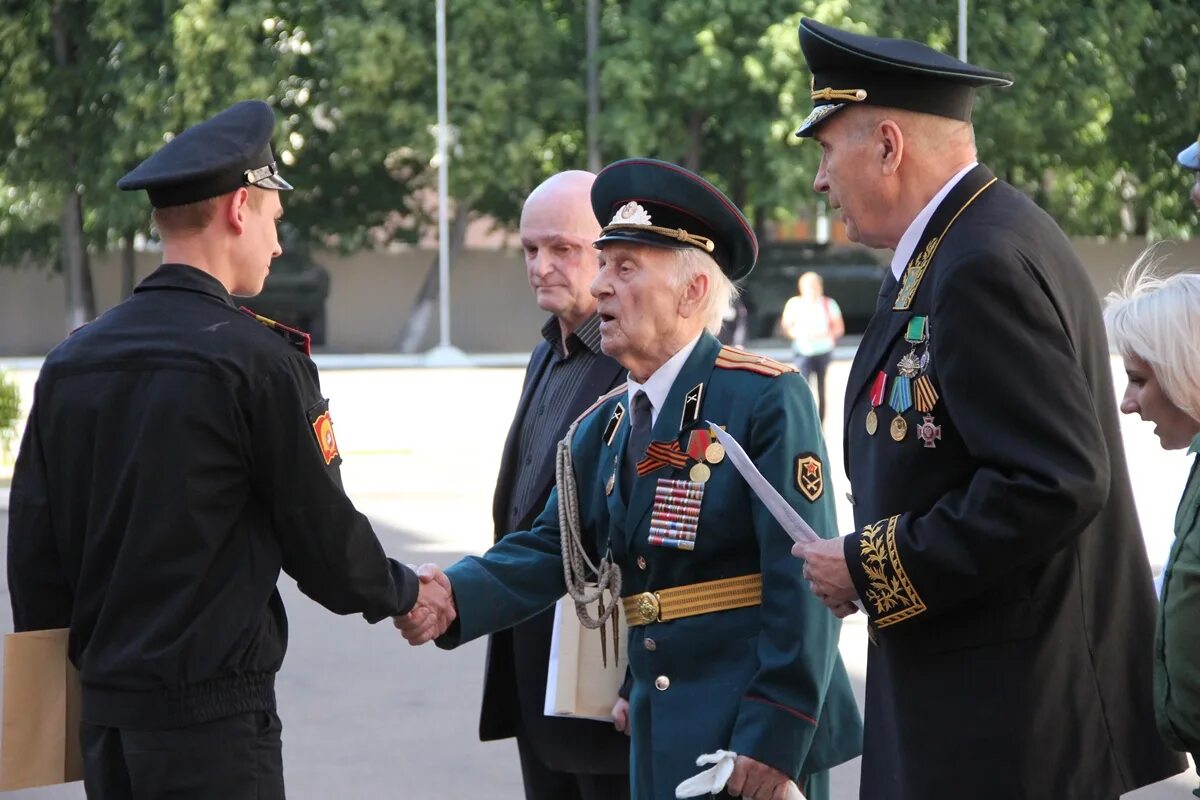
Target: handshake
[434,611]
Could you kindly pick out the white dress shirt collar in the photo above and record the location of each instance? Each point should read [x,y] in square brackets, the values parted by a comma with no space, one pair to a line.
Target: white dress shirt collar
[658,385]
[908,242]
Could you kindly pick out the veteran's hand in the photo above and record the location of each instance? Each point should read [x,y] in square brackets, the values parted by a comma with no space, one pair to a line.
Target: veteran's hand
[620,715]
[434,610]
[827,574]
[756,781]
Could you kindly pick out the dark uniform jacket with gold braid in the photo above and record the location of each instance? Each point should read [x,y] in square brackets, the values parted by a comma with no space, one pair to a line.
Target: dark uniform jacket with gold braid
[178,455]
[998,552]
[765,681]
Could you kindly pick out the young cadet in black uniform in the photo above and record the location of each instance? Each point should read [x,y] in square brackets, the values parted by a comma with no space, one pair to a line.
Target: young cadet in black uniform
[178,455]
[998,556]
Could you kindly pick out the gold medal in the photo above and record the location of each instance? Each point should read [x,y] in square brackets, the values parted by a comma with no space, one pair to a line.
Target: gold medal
[608,487]
[714,453]
[872,422]
[899,428]
[700,473]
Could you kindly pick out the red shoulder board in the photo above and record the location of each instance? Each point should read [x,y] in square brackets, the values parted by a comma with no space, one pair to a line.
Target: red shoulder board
[733,358]
[296,338]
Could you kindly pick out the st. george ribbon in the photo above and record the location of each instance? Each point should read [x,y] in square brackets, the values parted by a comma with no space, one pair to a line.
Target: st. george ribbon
[793,524]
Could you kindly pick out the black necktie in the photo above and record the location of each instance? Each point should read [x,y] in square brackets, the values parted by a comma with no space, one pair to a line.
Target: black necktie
[639,440]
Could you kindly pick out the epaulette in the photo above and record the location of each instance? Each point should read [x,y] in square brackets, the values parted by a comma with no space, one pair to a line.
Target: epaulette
[733,358]
[601,400]
[296,338]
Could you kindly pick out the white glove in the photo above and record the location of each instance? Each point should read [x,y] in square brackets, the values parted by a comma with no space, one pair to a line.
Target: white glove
[713,779]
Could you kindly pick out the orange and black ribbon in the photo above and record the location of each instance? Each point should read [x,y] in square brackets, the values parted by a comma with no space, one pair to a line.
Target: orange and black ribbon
[662,454]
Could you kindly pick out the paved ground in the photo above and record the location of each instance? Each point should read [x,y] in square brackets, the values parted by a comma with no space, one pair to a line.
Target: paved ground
[366,716]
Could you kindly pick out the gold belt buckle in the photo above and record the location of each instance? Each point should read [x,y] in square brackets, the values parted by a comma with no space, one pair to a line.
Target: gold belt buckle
[647,607]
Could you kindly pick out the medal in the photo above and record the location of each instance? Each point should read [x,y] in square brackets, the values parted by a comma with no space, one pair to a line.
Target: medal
[927,432]
[900,401]
[876,398]
[926,395]
[714,453]
[700,473]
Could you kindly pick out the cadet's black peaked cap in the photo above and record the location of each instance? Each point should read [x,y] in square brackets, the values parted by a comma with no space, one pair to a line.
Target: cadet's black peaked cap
[212,158]
[656,203]
[1189,157]
[850,68]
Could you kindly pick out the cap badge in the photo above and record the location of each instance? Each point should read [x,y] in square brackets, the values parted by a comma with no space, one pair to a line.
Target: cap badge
[631,213]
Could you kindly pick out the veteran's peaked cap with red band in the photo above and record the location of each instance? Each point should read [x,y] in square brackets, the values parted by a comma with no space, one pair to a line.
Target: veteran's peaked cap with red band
[662,204]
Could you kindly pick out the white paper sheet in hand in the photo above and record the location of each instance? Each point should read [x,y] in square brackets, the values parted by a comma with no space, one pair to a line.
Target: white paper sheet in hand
[793,524]
[788,518]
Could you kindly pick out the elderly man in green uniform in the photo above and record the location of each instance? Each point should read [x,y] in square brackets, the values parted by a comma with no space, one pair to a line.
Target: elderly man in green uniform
[727,649]
[997,554]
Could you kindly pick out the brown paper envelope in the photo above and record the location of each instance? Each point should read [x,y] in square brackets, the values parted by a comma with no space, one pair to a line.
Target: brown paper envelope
[39,734]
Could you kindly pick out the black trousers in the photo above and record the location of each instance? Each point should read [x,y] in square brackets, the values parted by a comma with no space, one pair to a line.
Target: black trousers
[543,783]
[236,758]
[816,365]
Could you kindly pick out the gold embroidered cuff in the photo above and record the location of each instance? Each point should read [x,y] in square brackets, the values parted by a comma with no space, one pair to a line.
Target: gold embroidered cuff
[890,592]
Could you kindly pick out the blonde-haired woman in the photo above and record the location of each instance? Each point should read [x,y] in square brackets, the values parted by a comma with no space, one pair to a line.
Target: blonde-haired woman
[813,321]
[1154,323]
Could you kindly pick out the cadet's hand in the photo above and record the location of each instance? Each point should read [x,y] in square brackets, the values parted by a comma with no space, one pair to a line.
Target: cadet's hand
[755,780]
[434,610]
[620,715]
[827,574]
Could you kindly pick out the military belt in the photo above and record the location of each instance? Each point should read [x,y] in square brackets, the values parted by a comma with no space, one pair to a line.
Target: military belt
[695,598]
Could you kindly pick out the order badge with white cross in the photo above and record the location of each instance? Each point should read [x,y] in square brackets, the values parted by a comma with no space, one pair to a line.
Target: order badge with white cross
[929,433]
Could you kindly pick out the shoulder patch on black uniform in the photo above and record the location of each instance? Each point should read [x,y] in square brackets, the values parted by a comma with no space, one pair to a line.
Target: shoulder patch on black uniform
[322,428]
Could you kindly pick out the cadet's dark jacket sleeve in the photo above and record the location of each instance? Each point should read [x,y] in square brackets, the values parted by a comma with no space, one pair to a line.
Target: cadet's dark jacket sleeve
[37,585]
[327,545]
[1016,392]
[797,644]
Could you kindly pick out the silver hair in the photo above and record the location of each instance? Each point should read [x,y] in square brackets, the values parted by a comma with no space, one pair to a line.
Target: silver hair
[690,262]
[1157,319]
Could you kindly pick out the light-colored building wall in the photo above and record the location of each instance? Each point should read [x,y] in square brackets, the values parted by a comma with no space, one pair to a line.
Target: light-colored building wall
[492,309]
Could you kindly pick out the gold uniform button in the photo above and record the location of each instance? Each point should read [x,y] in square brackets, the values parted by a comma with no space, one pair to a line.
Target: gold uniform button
[641,562]
[662,683]
[651,646]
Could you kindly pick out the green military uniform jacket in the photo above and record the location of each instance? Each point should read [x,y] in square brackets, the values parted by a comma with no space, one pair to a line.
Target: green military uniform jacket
[764,681]
[1177,638]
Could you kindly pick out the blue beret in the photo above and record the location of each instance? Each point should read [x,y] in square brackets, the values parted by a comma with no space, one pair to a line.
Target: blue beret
[212,158]
[664,205]
[851,68]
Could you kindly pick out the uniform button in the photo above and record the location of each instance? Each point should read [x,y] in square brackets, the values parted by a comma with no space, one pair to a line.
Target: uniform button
[641,562]
[651,646]
[662,683]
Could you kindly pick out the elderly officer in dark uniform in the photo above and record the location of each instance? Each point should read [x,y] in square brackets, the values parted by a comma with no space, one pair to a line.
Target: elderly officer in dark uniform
[561,759]
[727,649]
[1189,158]
[998,555]
[178,455]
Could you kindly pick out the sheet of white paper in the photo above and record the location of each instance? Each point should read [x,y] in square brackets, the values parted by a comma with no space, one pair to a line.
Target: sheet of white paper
[552,666]
[789,519]
[793,524]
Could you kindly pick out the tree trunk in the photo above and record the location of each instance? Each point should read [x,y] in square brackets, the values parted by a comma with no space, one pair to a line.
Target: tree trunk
[81,303]
[425,305]
[128,263]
